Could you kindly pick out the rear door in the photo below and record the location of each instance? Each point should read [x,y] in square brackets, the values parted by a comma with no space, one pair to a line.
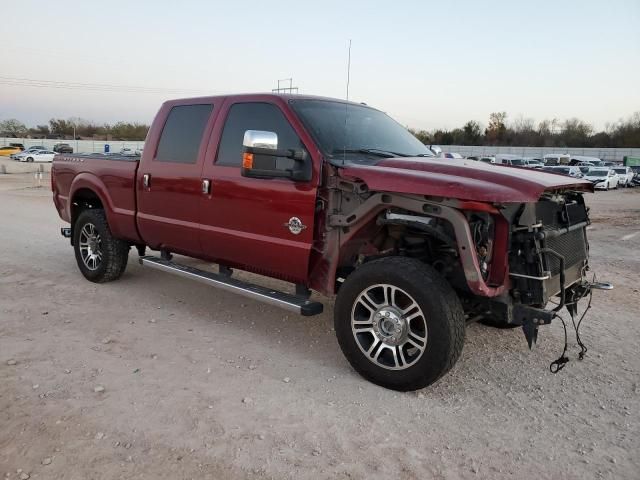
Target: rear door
[260,225]
[169,179]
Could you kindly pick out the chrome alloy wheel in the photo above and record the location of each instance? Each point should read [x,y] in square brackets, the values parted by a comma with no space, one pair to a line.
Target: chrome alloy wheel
[90,246]
[389,326]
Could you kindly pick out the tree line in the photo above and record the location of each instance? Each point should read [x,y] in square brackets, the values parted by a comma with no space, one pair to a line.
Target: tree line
[521,132]
[524,132]
[84,129]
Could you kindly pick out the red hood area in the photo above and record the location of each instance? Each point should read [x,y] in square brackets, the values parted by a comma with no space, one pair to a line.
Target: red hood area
[461,179]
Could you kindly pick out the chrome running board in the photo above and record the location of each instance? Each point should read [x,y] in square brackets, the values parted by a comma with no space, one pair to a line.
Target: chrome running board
[284,300]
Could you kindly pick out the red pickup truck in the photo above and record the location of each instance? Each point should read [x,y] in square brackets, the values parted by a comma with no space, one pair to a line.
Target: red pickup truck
[335,197]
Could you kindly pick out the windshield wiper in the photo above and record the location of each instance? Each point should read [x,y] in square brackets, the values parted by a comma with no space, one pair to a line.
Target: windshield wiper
[371,151]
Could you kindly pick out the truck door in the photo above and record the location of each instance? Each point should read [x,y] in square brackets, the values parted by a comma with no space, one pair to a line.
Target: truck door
[169,178]
[260,225]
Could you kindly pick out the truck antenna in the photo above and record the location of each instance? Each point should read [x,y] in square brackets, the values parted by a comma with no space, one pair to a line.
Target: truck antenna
[348,69]
[346,105]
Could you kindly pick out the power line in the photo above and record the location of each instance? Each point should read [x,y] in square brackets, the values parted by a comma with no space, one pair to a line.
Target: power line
[97,87]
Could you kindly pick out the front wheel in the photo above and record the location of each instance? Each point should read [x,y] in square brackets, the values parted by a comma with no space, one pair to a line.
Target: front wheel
[399,323]
[100,256]
[30,159]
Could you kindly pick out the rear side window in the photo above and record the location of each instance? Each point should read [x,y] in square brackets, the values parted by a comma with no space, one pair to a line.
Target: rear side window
[255,116]
[182,133]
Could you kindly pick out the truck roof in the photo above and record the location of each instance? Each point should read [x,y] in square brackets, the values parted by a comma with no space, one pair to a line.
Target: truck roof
[259,97]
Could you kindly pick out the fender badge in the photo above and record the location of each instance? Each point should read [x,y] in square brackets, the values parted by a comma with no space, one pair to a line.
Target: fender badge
[295,225]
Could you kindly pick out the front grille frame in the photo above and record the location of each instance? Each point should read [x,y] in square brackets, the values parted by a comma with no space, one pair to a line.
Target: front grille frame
[555,225]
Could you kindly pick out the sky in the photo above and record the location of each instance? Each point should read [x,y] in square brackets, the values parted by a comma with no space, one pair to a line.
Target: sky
[429,64]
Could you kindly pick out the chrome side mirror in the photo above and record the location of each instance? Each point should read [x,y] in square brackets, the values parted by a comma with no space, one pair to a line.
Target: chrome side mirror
[436,150]
[260,139]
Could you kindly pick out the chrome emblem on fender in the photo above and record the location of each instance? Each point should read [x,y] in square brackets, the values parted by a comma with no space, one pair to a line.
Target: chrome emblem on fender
[295,225]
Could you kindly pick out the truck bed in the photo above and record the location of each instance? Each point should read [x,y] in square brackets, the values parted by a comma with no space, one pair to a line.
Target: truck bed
[111,176]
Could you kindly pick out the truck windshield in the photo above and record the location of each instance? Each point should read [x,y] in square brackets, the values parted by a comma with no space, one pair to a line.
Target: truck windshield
[344,130]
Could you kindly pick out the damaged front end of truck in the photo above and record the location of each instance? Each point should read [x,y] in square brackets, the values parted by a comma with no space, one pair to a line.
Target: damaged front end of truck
[548,263]
[518,261]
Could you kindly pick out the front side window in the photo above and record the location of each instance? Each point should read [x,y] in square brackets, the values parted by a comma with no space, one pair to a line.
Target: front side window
[182,133]
[256,116]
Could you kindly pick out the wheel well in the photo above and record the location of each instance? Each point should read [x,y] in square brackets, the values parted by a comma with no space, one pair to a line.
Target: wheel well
[82,200]
[432,243]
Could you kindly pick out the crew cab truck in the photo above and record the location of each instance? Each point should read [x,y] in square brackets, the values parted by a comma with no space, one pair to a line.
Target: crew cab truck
[335,197]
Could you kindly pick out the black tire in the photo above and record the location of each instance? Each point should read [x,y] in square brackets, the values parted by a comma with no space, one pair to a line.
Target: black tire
[29,159]
[114,253]
[443,318]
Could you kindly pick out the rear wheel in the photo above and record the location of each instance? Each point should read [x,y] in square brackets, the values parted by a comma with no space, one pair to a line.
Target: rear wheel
[399,323]
[100,256]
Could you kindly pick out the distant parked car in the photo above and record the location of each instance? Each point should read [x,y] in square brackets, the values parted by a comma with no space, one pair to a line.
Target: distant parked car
[552,159]
[62,148]
[480,158]
[131,152]
[571,171]
[30,149]
[36,156]
[452,155]
[602,178]
[625,176]
[8,151]
[584,160]
[487,159]
[534,163]
[512,160]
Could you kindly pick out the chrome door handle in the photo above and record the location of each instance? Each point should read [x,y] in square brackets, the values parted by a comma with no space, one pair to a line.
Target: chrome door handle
[146,180]
[206,186]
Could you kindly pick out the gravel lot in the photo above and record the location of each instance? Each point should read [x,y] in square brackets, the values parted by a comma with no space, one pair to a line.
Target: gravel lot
[157,377]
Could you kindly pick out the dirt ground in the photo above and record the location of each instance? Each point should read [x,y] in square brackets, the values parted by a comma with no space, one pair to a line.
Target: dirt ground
[202,384]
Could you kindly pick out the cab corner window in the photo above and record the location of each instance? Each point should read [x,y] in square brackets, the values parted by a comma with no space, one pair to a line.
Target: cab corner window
[182,133]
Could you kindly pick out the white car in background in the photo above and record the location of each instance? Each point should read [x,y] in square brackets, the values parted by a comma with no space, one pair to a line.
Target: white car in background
[511,160]
[36,156]
[625,175]
[603,178]
[533,163]
[28,150]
